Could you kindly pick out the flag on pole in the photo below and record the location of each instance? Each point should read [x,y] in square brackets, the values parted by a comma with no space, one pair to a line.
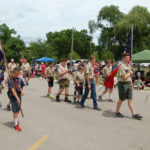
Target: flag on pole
[1,60]
[129,43]
[109,83]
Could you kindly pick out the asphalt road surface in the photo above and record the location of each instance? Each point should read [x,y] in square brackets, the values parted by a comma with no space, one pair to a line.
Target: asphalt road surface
[49,125]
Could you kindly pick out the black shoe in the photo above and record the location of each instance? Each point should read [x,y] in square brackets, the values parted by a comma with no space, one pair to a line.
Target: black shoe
[78,102]
[137,116]
[74,100]
[110,100]
[8,107]
[96,108]
[57,99]
[67,100]
[81,105]
[119,115]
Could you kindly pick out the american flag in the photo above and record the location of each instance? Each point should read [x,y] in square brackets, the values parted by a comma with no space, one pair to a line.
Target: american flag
[129,43]
[2,65]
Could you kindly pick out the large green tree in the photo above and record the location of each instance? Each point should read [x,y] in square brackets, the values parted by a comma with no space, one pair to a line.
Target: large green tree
[60,43]
[140,18]
[39,48]
[12,43]
[114,27]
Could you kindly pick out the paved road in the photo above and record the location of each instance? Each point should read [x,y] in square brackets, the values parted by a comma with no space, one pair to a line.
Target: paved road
[71,128]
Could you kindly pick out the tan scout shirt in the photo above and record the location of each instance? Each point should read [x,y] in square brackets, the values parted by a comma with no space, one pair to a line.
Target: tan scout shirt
[25,66]
[122,71]
[89,70]
[106,71]
[61,70]
[79,77]
[11,66]
[50,72]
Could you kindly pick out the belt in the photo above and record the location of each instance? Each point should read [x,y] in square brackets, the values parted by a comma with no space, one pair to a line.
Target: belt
[124,82]
[91,79]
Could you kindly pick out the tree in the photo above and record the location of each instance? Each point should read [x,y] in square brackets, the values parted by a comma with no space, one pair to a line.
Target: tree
[39,48]
[108,55]
[60,43]
[107,18]
[14,48]
[74,56]
[13,44]
[140,18]
[6,33]
[114,28]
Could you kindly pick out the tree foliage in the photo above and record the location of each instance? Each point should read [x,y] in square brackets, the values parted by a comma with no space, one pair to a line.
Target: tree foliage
[114,27]
[107,55]
[60,43]
[13,44]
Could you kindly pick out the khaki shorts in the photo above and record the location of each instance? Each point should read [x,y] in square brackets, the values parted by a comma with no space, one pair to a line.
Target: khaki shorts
[26,74]
[63,83]
[125,90]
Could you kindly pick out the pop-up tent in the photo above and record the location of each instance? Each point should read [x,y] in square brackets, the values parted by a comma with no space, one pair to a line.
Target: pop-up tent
[45,59]
[142,57]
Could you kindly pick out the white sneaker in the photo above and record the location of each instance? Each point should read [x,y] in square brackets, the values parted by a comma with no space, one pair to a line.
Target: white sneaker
[41,78]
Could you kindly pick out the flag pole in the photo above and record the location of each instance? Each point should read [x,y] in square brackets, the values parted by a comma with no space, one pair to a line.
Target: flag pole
[6,64]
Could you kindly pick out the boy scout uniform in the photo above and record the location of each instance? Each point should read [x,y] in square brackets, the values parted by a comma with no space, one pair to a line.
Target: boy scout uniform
[106,71]
[63,80]
[124,85]
[79,77]
[90,71]
[50,74]
[26,69]
[11,67]
[19,84]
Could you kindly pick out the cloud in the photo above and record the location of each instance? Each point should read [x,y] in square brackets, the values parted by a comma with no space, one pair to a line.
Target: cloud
[32,18]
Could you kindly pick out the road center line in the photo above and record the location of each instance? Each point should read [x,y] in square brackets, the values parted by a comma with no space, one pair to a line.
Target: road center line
[38,143]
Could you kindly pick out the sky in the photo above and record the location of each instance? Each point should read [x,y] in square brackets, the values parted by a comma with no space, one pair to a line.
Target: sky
[32,19]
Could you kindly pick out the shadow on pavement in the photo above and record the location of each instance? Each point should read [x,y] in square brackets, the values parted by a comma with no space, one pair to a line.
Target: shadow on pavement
[5,109]
[85,107]
[111,114]
[45,96]
[105,100]
[108,113]
[8,124]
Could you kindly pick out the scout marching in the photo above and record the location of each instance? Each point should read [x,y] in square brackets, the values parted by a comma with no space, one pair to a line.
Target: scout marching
[85,76]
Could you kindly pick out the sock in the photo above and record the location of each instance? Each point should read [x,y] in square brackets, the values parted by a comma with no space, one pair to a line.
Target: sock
[15,122]
[110,96]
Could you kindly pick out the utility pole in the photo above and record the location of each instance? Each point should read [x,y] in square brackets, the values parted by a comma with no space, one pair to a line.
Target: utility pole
[72,44]
[91,47]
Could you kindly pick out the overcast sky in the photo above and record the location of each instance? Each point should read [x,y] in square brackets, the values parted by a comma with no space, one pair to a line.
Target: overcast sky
[34,18]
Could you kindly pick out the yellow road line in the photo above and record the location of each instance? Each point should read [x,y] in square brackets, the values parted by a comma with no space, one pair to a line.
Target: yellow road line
[38,143]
